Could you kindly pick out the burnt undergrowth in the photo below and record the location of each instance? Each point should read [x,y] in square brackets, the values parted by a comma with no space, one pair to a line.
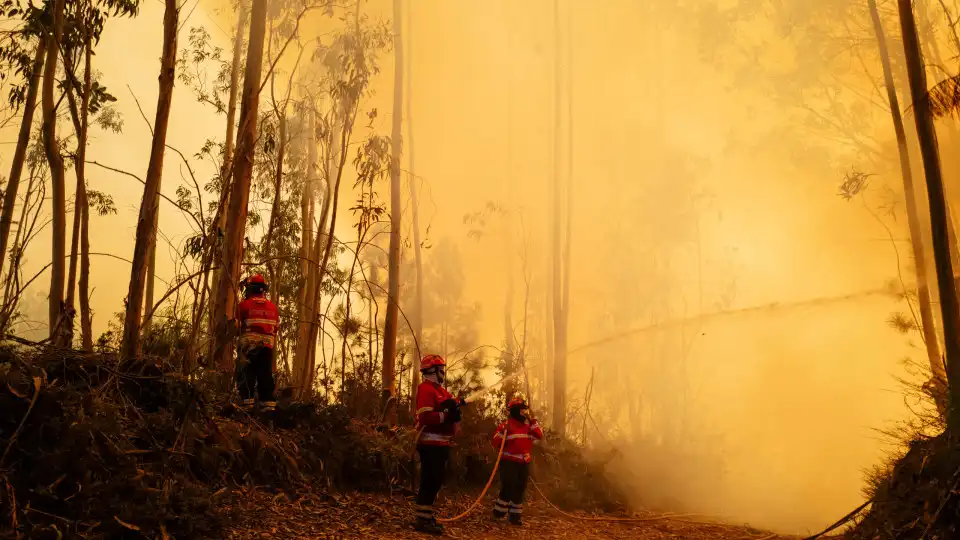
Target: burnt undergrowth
[96,448]
[915,494]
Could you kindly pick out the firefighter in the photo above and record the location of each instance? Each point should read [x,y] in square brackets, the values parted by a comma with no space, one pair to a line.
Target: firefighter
[438,418]
[258,319]
[520,431]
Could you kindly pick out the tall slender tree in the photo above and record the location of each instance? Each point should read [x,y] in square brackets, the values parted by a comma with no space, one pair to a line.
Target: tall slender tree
[57,180]
[240,190]
[913,214]
[414,210]
[306,306]
[568,218]
[80,245]
[323,240]
[938,212]
[559,273]
[388,373]
[130,345]
[220,220]
[23,143]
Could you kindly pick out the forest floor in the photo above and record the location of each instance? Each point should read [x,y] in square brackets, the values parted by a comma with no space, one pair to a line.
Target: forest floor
[259,514]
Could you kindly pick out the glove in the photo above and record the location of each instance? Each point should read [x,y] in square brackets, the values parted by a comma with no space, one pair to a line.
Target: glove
[449,405]
[454,416]
[242,359]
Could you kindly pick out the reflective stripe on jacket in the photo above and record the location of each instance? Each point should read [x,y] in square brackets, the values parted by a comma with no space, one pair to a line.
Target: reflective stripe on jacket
[520,437]
[431,417]
[258,318]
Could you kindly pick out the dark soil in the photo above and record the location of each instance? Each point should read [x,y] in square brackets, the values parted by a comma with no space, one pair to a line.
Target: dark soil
[93,448]
[919,498]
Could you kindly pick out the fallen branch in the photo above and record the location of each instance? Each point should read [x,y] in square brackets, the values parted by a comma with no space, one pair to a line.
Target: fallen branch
[11,494]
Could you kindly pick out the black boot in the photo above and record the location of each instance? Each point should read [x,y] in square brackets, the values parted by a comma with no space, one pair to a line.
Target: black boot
[428,526]
[516,520]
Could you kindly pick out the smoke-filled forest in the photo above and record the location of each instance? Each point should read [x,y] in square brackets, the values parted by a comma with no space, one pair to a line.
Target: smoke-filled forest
[541,269]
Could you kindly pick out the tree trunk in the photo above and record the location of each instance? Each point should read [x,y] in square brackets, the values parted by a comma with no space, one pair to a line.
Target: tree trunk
[913,215]
[83,205]
[938,214]
[151,265]
[20,154]
[305,308]
[220,220]
[337,160]
[275,207]
[55,159]
[345,114]
[81,117]
[509,354]
[415,211]
[568,219]
[559,326]
[130,346]
[86,315]
[303,354]
[240,191]
[388,373]
[318,266]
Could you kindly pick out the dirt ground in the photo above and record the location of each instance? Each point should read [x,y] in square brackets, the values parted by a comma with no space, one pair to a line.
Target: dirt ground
[261,515]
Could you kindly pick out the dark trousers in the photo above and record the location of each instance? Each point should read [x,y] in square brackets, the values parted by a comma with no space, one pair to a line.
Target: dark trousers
[513,484]
[256,376]
[433,468]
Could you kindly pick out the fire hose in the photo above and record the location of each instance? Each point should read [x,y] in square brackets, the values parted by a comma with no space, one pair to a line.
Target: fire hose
[496,466]
[483,493]
[568,515]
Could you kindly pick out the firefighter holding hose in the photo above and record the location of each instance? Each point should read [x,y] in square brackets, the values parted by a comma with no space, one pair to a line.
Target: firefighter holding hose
[520,432]
[438,420]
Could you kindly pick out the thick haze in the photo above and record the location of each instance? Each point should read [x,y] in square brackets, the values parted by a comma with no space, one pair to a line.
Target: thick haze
[694,191]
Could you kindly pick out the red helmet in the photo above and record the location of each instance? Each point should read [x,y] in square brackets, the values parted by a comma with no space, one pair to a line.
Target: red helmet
[431,360]
[256,278]
[517,402]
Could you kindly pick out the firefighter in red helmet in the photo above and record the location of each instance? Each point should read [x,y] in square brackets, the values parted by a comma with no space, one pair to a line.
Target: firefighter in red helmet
[520,431]
[438,418]
[258,318]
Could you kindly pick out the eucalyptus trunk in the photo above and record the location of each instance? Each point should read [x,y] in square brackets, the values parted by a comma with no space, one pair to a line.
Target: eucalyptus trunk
[57,314]
[130,346]
[220,219]
[388,372]
[913,215]
[415,214]
[20,153]
[938,212]
[240,192]
[81,218]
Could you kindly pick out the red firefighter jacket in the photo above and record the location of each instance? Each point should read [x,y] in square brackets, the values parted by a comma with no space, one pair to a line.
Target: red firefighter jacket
[520,436]
[258,318]
[430,415]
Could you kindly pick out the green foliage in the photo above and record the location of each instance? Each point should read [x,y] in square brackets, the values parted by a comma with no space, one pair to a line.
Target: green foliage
[352,60]
[372,163]
[109,119]
[101,203]
[193,69]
